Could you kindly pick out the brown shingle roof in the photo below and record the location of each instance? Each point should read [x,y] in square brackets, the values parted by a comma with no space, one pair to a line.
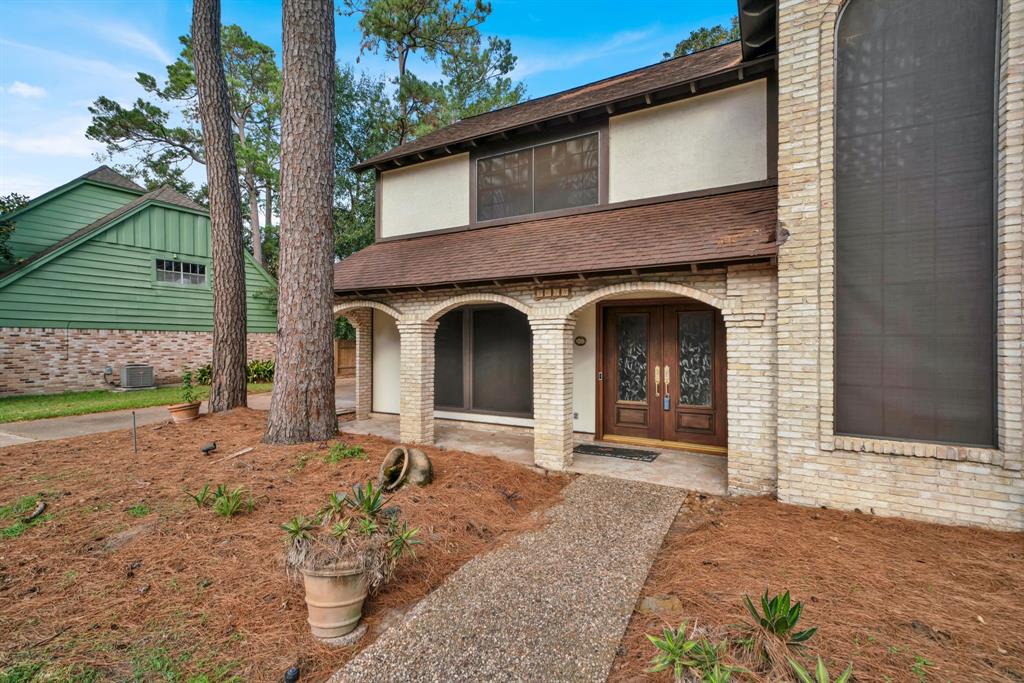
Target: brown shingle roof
[108,176]
[733,226]
[631,84]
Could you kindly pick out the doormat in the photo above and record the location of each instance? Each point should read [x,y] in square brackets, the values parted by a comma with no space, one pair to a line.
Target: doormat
[613,452]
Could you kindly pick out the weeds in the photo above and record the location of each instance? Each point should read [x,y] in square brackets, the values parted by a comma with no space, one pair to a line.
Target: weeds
[224,501]
[140,510]
[18,511]
[920,668]
[342,451]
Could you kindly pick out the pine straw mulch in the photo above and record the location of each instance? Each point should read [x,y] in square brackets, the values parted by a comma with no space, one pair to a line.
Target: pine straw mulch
[883,592]
[182,590]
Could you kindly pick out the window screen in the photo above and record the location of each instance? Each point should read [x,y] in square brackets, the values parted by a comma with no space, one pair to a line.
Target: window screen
[180,272]
[915,87]
[494,346]
[557,175]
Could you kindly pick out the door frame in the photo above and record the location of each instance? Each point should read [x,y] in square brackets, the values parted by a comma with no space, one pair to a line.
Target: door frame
[599,380]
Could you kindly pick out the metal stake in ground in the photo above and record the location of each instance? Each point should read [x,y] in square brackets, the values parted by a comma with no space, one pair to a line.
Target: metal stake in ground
[135,440]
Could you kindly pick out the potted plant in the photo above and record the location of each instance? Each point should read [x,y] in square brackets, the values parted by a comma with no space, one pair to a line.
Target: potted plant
[188,409]
[348,549]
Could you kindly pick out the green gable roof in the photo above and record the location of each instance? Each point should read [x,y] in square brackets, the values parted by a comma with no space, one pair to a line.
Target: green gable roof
[101,175]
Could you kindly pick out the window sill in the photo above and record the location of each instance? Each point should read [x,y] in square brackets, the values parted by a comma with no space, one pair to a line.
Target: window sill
[916,449]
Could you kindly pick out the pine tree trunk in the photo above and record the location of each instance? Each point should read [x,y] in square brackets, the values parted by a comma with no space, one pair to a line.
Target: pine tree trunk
[254,217]
[228,388]
[268,202]
[302,403]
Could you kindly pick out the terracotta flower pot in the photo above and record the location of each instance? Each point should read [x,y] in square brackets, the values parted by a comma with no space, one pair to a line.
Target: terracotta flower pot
[184,412]
[334,599]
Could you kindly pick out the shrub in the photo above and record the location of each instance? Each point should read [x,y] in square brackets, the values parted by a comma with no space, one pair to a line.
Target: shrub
[188,388]
[203,375]
[260,371]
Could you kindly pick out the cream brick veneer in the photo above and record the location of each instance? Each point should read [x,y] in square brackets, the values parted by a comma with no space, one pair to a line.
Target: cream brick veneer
[745,295]
[42,361]
[362,321]
[815,467]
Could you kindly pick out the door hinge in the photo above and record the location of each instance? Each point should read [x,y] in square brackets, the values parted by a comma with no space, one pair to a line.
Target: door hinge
[600,376]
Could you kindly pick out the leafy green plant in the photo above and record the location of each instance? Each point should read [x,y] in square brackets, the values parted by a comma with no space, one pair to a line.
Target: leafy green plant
[403,539]
[920,668]
[203,375]
[821,674]
[298,528]
[342,451]
[230,503]
[340,529]
[366,499]
[201,497]
[683,654]
[188,388]
[368,527]
[779,618]
[139,510]
[260,371]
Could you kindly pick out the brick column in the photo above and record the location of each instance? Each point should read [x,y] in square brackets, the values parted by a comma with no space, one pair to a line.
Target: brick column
[417,385]
[552,391]
[362,320]
[751,383]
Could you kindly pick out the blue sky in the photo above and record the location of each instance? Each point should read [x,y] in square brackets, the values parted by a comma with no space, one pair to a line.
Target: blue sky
[57,56]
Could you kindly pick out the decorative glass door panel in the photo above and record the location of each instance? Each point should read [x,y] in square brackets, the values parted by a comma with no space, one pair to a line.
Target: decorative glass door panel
[664,368]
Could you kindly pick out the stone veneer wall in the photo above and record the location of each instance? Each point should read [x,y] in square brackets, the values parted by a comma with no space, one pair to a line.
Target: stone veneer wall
[745,294]
[43,361]
[816,467]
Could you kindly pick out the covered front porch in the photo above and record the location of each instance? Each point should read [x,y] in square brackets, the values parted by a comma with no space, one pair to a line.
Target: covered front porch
[671,467]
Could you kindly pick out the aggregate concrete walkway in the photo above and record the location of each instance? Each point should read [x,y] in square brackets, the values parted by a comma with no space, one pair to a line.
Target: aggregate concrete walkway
[549,606]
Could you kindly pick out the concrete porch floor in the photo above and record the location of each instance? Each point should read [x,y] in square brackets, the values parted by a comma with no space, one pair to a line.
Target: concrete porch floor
[681,469]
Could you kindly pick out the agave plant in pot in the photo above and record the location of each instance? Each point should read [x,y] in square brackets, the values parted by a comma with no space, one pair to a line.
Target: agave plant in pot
[188,409]
[346,550]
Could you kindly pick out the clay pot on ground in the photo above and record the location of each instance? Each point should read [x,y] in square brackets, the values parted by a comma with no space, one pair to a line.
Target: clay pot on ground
[334,599]
[403,464]
[184,412]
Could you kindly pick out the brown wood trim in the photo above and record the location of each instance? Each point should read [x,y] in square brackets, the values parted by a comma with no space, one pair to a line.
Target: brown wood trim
[741,73]
[561,213]
[670,445]
[529,141]
[378,194]
[599,376]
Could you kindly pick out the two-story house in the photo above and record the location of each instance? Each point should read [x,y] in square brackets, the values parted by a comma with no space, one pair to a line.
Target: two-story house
[801,251]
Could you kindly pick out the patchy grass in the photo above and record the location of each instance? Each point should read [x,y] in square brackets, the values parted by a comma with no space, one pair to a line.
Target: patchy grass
[12,524]
[342,451]
[20,408]
[140,510]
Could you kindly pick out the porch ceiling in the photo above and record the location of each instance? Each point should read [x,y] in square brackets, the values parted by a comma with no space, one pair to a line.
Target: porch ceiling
[727,227]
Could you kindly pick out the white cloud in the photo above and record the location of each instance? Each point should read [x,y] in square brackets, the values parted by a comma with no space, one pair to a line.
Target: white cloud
[130,37]
[93,67]
[555,60]
[61,138]
[25,90]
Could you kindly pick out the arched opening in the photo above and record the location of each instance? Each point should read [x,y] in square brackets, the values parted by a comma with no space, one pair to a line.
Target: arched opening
[369,353]
[483,364]
[660,365]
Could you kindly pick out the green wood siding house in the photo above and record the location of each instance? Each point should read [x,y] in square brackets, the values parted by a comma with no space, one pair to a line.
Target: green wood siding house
[106,274]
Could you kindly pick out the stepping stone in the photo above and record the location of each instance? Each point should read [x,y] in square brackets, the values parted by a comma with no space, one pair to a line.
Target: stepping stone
[551,605]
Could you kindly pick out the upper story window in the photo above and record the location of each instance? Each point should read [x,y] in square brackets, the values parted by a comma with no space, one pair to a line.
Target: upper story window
[556,175]
[915,223]
[180,272]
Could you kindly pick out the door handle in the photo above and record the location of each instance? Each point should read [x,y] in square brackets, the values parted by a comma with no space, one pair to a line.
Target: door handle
[667,402]
[657,381]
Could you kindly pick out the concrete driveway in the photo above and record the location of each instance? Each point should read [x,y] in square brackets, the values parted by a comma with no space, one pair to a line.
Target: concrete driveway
[12,433]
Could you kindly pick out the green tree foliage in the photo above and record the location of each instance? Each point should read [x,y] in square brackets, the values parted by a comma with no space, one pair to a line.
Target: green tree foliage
[162,133]
[706,37]
[446,32]
[8,203]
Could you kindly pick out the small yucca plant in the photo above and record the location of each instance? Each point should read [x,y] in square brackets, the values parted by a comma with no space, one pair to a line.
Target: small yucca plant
[779,617]
[821,674]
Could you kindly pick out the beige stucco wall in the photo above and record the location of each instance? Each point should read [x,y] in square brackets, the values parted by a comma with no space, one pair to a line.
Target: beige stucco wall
[426,196]
[584,370]
[707,141]
[386,357]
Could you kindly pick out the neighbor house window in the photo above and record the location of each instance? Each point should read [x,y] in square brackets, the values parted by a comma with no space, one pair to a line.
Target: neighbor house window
[484,361]
[915,226]
[556,175]
[180,272]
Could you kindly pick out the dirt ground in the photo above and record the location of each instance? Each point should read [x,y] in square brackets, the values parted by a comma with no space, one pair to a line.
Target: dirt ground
[125,578]
[902,600]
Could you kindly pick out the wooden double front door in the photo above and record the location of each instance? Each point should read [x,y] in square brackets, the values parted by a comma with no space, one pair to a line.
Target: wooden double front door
[663,374]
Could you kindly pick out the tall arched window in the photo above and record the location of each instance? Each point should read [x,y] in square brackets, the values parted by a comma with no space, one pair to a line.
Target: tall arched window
[915,223]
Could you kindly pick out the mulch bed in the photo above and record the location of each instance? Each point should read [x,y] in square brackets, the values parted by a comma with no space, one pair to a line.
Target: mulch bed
[181,589]
[885,593]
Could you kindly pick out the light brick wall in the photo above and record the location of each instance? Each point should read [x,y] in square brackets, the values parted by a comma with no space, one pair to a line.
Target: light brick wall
[45,361]
[362,321]
[815,467]
[745,294]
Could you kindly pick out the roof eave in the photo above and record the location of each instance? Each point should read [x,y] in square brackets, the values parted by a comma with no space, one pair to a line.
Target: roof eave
[634,102]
